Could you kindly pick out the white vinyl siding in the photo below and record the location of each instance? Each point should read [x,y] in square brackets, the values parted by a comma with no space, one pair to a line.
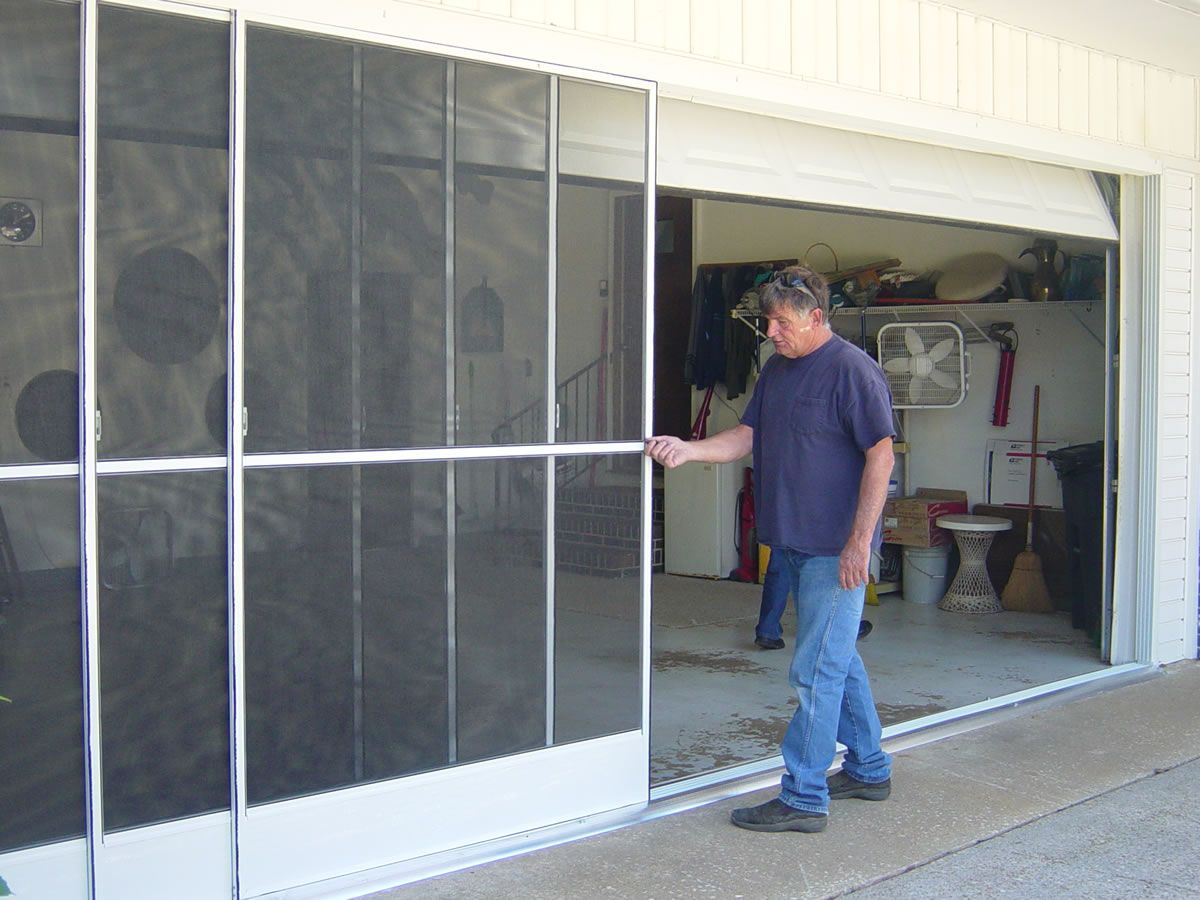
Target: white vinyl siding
[1176,525]
[915,49]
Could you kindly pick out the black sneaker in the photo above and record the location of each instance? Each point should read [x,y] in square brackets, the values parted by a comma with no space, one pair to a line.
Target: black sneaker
[864,628]
[846,787]
[775,815]
[769,643]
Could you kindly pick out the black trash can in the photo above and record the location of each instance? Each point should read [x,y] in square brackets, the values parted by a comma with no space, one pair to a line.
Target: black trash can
[1080,468]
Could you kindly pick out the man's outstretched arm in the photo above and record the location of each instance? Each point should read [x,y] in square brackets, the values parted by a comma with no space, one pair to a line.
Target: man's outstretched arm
[727,446]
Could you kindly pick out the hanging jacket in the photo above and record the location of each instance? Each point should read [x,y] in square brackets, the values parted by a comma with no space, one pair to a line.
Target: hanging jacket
[704,365]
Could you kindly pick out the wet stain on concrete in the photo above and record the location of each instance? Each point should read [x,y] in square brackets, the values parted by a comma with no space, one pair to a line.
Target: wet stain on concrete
[1032,637]
[724,662]
[746,738]
[891,713]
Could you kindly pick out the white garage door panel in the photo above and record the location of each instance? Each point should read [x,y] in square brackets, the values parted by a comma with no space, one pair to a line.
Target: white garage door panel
[711,150]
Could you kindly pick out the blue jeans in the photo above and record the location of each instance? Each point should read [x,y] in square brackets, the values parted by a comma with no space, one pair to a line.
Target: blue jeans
[829,678]
[777,583]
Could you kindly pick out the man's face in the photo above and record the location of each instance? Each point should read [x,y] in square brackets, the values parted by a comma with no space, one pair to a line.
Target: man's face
[794,334]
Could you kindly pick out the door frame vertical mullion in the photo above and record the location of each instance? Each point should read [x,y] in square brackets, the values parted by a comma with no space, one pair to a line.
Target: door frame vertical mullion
[88,527]
[548,556]
[448,175]
[648,404]
[235,429]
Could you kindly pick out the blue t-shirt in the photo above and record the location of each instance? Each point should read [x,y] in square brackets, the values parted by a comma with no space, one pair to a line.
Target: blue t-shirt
[813,418]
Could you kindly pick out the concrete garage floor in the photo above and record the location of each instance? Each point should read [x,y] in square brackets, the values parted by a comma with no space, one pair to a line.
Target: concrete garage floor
[718,701]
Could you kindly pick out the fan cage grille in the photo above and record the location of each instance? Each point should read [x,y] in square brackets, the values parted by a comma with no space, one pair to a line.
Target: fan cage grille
[893,344]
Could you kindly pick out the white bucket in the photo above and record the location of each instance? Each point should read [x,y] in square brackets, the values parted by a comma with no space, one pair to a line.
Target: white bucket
[924,573]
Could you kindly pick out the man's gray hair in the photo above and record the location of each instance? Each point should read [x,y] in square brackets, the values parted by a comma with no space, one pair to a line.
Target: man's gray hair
[796,288]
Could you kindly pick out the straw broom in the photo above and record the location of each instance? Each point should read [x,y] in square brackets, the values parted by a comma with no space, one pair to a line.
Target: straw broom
[1026,588]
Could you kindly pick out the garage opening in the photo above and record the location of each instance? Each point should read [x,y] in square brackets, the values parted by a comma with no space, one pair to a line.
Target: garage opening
[1042,302]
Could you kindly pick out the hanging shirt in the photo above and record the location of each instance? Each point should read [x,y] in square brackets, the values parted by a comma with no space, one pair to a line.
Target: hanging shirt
[813,419]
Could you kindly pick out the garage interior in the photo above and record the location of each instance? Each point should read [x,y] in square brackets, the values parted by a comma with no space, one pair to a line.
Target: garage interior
[718,701]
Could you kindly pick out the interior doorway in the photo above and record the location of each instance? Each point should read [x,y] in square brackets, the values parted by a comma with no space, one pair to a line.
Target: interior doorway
[720,702]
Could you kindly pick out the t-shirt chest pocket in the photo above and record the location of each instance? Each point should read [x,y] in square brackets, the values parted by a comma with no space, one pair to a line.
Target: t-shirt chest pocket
[809,415]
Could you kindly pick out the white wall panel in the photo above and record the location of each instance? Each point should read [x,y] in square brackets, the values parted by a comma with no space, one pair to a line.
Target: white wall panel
[939,54]
[815,39]
[705,29]
[1102,96]
[677,25]
[729,30]
[529,10]
[560,13]
[899,33]
[1131,102]
[766,34]
[1042,83]
[591,18]
[1074,91]
[975,64]
[1012,72]
[622,20]
[858,43]
[1171,112]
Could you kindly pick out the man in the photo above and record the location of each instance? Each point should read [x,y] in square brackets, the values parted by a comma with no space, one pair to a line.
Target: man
[820,426]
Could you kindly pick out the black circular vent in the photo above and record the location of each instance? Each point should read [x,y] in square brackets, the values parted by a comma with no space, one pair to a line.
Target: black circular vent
[47,415]
[167,305]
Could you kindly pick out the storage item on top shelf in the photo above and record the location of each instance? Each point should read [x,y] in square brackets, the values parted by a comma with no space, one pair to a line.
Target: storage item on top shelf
[1046,284]
[976,276]
[1084,278]
[910,520]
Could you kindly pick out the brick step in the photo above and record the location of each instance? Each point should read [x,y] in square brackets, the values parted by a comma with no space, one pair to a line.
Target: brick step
[601,527]
[597,559]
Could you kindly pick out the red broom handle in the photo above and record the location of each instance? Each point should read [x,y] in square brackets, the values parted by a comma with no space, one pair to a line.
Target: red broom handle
[1037,396]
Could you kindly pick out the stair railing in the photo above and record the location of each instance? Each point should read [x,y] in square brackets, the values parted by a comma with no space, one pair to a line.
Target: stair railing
[581,414]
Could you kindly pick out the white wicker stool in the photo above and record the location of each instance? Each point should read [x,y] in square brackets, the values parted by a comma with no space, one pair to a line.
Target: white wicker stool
[972,591]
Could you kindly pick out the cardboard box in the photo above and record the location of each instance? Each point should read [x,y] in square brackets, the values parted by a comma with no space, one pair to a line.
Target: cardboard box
[910,520]
[1006,474]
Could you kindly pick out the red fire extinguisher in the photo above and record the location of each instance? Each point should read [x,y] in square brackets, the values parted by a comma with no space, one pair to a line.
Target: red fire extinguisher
[1004,335]
[745,541]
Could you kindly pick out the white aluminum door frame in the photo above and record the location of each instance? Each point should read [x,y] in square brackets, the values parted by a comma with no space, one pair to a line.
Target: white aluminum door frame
[298,841]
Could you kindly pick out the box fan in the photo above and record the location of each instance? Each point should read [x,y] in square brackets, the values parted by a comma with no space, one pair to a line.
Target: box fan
[925,364]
